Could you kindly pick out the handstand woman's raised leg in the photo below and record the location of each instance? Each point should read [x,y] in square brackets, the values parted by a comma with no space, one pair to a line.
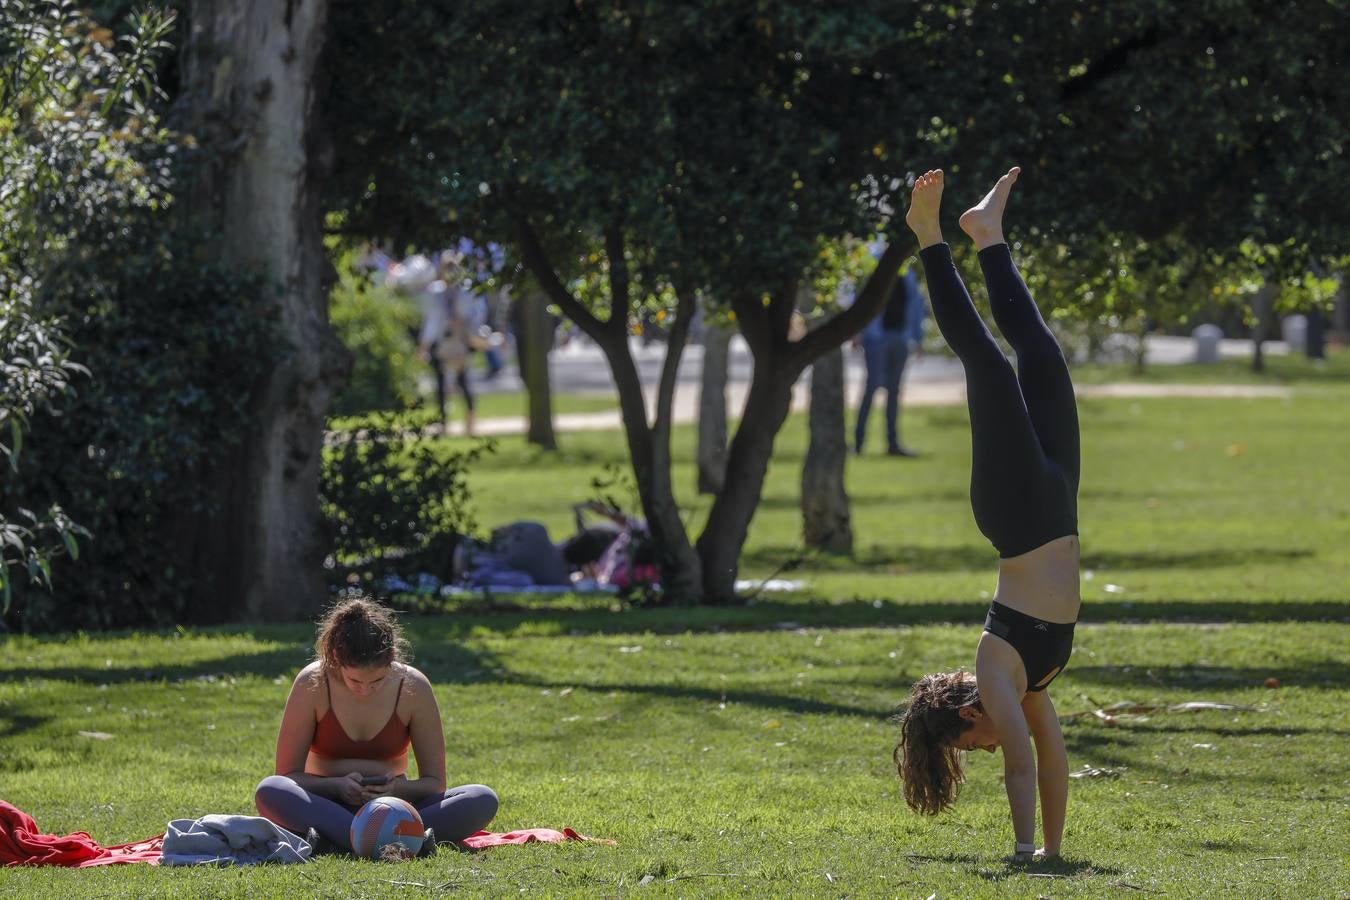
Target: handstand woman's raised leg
[1042,371]
[1007,459]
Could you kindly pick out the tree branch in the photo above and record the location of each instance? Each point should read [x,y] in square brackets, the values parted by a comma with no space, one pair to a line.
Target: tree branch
[846,324]
[753,321]
[782,304]
[1111,62]
[679,336]
[537,261]
[619,281]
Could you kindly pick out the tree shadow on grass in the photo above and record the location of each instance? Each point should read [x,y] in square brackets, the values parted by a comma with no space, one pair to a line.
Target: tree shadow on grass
[899,559]
[1324,673]
[1006,869]
[608,616]
[453,663]
[1208,558]
[884,558]
[13,723]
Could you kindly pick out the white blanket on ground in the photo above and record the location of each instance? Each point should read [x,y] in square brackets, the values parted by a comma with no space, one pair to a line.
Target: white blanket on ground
[231,840]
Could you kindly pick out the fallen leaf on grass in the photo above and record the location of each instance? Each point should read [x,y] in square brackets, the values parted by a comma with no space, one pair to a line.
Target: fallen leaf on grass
[1097,772]
[1135,711]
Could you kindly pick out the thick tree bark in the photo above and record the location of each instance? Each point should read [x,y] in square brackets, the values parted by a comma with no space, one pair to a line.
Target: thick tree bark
[719,546]
[712,410]
[1340,316]
[249,94]
[534,348]
[648,445]
[826,521]
[778,364]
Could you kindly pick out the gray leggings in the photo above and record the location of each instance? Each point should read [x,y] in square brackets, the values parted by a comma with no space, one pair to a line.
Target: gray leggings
[455,814]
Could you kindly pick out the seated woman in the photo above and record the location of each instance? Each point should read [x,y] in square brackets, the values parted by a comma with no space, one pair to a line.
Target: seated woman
[1024,492]
[349,720]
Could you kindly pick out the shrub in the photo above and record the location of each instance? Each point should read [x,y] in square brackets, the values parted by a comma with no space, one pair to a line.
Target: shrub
[395,503]
[81,154]
[379,327]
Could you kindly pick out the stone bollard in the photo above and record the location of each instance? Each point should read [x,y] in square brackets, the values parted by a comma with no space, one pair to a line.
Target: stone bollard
[1294,331]
[1207,339]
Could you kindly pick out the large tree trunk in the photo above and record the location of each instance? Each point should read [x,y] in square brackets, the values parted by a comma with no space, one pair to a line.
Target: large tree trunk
[1340,316]
[249,93]
[712,409]
[649,448]
[719,546]
[533,349]
[826,521]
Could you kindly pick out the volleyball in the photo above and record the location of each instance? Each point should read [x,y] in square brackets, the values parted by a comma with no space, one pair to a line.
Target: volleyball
[383,822]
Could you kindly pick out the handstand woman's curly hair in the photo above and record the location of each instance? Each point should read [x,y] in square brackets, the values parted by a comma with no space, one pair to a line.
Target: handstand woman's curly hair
[359,633]
[930,723]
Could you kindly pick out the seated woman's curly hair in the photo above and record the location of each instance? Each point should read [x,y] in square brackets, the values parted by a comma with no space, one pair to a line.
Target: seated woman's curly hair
[359,632]
[930,723]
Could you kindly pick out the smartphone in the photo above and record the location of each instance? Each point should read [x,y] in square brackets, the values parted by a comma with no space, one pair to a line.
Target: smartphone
[374,779]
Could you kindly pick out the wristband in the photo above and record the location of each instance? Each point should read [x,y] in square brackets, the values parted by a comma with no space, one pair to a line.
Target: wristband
[1020,847]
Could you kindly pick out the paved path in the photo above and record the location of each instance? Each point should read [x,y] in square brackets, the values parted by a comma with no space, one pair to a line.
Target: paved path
[929,381]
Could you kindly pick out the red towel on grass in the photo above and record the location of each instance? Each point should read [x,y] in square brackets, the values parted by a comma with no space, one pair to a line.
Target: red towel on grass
[21,844]
[526,836]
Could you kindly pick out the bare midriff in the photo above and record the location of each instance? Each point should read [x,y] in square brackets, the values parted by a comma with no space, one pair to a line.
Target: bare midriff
[1043,582]
[330,767]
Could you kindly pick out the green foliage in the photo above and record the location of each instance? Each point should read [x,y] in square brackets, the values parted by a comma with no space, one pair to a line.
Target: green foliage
[727,139]
[176,345]
[394,503]
[80,150]
[379,327]
[723,141]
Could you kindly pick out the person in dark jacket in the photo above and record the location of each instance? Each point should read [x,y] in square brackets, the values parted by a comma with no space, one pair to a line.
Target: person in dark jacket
[887,342]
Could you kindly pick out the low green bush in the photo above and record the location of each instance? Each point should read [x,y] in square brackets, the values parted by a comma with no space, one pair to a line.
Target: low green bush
[395,504]
[379,327]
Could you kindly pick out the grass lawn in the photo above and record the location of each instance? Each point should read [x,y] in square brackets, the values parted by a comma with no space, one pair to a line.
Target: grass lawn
[746,750]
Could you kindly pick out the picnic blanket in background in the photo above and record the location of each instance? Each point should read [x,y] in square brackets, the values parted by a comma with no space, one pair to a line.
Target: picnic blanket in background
[484,839]
[21,844]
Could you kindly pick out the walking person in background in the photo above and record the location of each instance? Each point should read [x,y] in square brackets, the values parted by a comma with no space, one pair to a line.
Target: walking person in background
[887,342]
[447,335]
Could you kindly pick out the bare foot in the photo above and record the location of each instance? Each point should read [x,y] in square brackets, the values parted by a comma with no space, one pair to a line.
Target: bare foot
[924,202]
[984,221]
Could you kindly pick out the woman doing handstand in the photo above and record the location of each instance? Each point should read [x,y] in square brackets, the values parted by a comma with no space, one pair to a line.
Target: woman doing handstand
[349,720]
[1024,490]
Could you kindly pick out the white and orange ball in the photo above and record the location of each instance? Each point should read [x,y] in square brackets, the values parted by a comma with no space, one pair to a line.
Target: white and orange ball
[384,822]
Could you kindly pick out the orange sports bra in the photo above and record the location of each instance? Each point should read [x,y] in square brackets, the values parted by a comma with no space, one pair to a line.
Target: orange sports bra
[331,740]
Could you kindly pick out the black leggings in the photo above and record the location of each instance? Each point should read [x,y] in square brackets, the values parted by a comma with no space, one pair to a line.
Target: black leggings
[1023,424]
